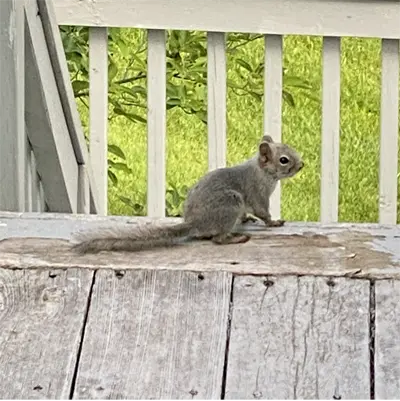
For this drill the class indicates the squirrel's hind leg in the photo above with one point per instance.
(231, 238)
(218, 218)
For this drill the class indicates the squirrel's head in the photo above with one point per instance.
(278, 159)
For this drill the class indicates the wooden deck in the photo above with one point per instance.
(303, 311)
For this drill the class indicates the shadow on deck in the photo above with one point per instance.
(303, 311)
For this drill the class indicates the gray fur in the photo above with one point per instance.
(214, 205)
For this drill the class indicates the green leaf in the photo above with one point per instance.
(131, 116)
(122, 167)
(183, 35)
(256, 96)
(139, 89)
(79, 86)
(112, 69)
(172, 90)
(288, 97)
(117, 151)
(296, 82)
(123, 47)
(311, 97)
(244, 64)
(233, 84)
(173, 102)
(112, 177)
(127, 201)
(200, 61)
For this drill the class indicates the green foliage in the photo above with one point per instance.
(186, 80)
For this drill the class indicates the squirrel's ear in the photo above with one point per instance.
(267, 138)
(265, 153)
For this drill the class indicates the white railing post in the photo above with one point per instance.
(273, 74)
(12, 111)
(156, 122)
(330, 130)
(216, 100)
(83, 190)
(98, 98)
(389, 132)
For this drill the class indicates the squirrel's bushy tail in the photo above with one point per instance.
(132, 239)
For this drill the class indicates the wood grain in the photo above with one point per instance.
(41, 318)
(44, 115)
(387, 341)
(388, 159)
(156, 122)
(12, 100)
(273, 81)
(216, 100)
(330, 140)
(63, 81)
(299, 338)
(98, 107)
(351, 250)
(372, 18)
(153, 335)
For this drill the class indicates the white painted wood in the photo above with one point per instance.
(98, 98)
(43, 207)
(83, 190)
(36, 185)
(273, 75)
(155, 335)
(371, 18)
(299, 338)
(12, 124)
(387, 340)
(60, 68)
(389, 132)
(156, 123)
(47, 129)
(28, 177)
(216, 100)
(330, 130)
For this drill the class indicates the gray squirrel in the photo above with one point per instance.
(215, 205)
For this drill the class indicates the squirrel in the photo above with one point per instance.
(215, 205)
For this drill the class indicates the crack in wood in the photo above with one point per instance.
(372, 317)
(79, 353)
(228, 337)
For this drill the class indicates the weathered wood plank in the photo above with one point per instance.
(372, 18)
(12, 121)
(153, 335)
(156, 123)
(41, 319)
(389, 132)
(358, 250)
(330, 148)
(47, 129)
(216, 100)
(273, 77)
(387, 341)
(299, 338)
(98, 108)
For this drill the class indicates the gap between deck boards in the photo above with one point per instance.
(175, 334)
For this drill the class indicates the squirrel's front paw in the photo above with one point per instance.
(248, 218)
(274, 223)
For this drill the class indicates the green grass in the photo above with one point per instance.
(359, 136)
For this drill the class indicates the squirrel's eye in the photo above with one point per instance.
(284, 160)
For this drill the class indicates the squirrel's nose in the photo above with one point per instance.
(301, 165)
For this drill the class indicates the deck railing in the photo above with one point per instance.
(274, 18)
